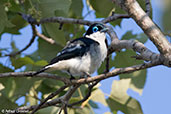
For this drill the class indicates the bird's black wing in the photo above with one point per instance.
(75, 48)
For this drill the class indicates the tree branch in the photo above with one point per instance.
(117, 45)
(60, 20)
(144, 53)
(117, 71)
(121, 16)
(63, 20)
(148, 26)
(27, 46)
(115, 17)
(66, 21)
(87, 95)
(113, 73)
(28, 74)
(49, 40)
(49, 97)
(63, 99)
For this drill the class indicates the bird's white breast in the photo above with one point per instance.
(98, 53)
(89, 62)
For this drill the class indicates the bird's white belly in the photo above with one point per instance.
(81, 67)
(88, 63)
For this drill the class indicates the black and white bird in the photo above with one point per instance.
(81, 56)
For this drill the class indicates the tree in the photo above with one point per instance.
(60, 21)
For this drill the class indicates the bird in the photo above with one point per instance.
(81, 56)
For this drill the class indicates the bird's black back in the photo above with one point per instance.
(75, 48)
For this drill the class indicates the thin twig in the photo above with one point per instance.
(87, 95)
(121, 16)
(60, 110)
(148, 7)
(42, 75)
(115, 17)
(49, 97)
(65, 110)
(107, 65)
(49, 40)
(60, 26)
(65, 20)
(27, 46)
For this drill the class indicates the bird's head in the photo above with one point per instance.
(97, 27)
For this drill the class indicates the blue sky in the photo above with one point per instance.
(155, 98)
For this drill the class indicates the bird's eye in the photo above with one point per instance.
(95, 29)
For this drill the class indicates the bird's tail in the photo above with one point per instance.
(40, 71)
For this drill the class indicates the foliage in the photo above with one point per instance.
(12, 89)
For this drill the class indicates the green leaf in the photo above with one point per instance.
(41, 63)
(6, 103)
(119, 100)
(123, 59)
(93, 104)
(103, 66)
(138, 78)
(15, 6)
(48, 110)
(76, 7)
(31, 100)
(18, 63)
(98, 96)
(60, 13)
(14, 48)
(143, 6)
(74, 99)
(4, 22)
(5, 69)
(129, 35)
(85, 110)
(98, 6)
(23, 85)
(1, 87)
(9, 85)
(47, 51)
(117, 10)
(75, 30)
(16, 87)
(48, 85)
(140, 37)
(166, 16)
(54, 32)
(52, 83)
(49, 7)
(81, 91)
(18, 23)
